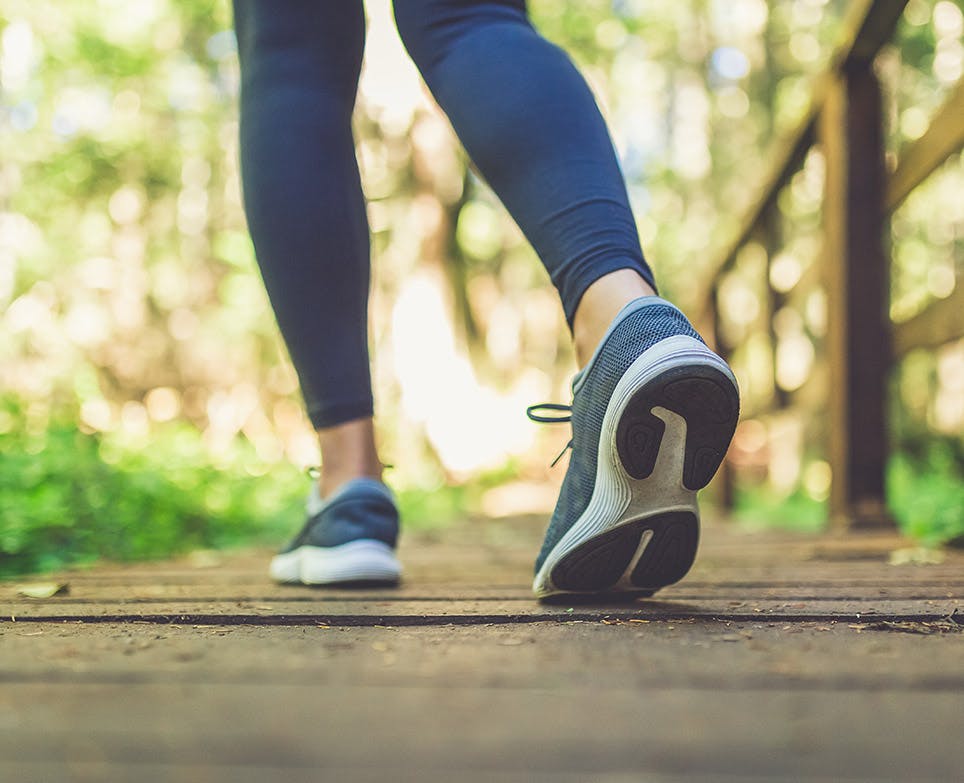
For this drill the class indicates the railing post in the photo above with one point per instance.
(724, 477)
(771, 237)
(856, 268)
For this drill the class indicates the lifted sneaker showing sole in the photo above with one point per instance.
(348, 538)
(653, 413)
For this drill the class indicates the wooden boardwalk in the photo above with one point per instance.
(778, 658)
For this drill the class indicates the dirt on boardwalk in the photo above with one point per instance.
(778, 658)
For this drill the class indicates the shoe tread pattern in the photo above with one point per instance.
(597, 565)
(670, 553)
(709, 403)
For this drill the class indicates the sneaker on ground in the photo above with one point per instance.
(348, 538)
(652, 415)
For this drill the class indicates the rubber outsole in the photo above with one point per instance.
(658, 547)
(600, 563)
(364, 561)
(708, 402)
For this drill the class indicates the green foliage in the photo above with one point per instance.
(67, 497)
(760, 506)
(926, 492)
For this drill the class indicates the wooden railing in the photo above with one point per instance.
(845, 119)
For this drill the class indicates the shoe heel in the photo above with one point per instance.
(709, 402)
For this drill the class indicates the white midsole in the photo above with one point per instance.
(356, 561)
(618, 498)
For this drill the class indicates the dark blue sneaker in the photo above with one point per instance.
(348, 537)
(652, 415)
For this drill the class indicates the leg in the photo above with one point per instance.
(300, 62)
(653, 409)
(530, 124)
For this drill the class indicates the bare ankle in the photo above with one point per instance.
(348, 452)
(600, 304)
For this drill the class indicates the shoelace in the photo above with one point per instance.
(552, 406)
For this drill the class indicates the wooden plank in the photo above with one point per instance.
(865, 587)
(943, 138)
(856, 575)
(856, 578)
(857, 281)
(486, 689)
(473, 612)
(722, 655)
(343, 731)
(228, 772)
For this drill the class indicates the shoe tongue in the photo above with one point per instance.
(316, 503)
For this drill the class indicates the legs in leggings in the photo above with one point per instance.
(530, 124)
(300, 61)
(523, 112)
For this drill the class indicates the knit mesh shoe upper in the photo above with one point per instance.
(361, 509)
(640, 325)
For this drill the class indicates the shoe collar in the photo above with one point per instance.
(628, 309)
(359, 486)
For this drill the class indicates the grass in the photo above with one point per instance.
(67, 498)
(70, 498)
(926, 493)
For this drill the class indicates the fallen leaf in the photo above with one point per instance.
(43, 589)
(916, 555)
(204, 558)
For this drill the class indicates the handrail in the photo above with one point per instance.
(936, 325)
(943, 137)
(866, 28)
(845, 118)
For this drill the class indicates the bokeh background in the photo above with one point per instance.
(147, 404)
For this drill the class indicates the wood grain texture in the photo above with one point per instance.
(756, 666)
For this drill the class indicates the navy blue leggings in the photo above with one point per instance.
(522, 110)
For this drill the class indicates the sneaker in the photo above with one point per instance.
(652, 415)
(348, 537)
